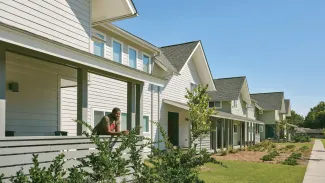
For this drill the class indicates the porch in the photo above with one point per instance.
(41, 93)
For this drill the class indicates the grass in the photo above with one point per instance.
(249, 172)
(297, 145)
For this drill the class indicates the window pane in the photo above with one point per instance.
(235, 128)
(101, 36)
(211, 104)
(132, 58)
(217, 104)
(98, 115)
(145, 63)
(117, 52)
(107, 113)
(99, 49)
(145, 124)
(123, 125)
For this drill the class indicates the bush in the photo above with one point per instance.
(274, 153)
(267, 158)
(303, 148)
(301, 138)
(290, 161)
(233, 151)
(291, 146)
(295, 155)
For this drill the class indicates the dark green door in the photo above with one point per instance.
(269, 131)
(173, 128)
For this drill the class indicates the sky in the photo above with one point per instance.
(279, 44)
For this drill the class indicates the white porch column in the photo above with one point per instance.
(3, 87)
(139, 107)
(240, 134)
(222, 133)
(131, 87)
(82, 99)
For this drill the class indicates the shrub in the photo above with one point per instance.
(291, 146)
(303, 148)
(301, 138)
(223, 152)
(267, 158)
(295, 155)
(290, 161)
(233, 151)
(274, 153)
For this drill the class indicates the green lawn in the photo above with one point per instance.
(298, 145)
(248, 172)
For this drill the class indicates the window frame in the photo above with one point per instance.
(96, 38)
(214, 104)
(121, 43)
(149, 130)
(136, 56)
(235, 103)
(193, 84)
(105, 111)
(149, 66)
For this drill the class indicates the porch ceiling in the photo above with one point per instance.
(29, 44)
(219, 115)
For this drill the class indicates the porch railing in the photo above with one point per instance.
(17, 152)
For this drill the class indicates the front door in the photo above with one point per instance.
(173, 128)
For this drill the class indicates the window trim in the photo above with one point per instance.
(149, 124)
(95, 38)
(195, 84)
(104, 110)
(121, 43)
(149, 67)
(235, 102)
(136, 56)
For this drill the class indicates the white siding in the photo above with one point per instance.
(68, 110)
(241, 109)
(67, 22)
(175, 90)
(34, 109)
(105, 94)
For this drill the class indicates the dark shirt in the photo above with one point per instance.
(105, 122)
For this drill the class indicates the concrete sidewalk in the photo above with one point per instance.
(315, 172)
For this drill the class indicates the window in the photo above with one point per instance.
(132, 58)
(216, 104)
(146, 63)
(235, 103)
(145, 124)
(193, 86)
(99, 114)
(235, 128)
(117, 52)
(99, 44)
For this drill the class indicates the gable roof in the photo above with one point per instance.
(227, 88)
(179, 54)
(269, 101)
(287, 104)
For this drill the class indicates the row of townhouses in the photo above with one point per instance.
(64, 59)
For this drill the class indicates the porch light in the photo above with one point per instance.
(14, 87)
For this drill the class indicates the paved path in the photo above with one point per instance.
(315, 172)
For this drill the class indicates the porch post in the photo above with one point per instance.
(247, 133)
(131, 106)
(228, 134)
(222, 133)
(2, 91)
(139, 107)
(240, 135)
(254, 130)
(82, 100)
(232, 133)
(216, 137)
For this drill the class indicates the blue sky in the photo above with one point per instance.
(279, 45)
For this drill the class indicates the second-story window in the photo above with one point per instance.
(99, 44)
(216, 104)
(117, 52)
(132, 58)
(146, 63)
(193, 86)
(235, 103)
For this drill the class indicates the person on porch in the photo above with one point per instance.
(110, 124)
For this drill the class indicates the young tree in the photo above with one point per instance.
(296, 119)
(199, 113)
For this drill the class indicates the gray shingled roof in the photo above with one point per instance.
(179, 54)
(164, 61)
(269, 101)
(227, 88)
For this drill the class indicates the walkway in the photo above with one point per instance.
(315, 172)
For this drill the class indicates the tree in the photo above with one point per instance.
(199, 112)
(296, 119)
(310, 121)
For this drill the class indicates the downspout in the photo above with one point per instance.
(158, 115)
(151, 112)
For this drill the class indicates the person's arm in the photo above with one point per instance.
(117, 128)
(107, 127)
